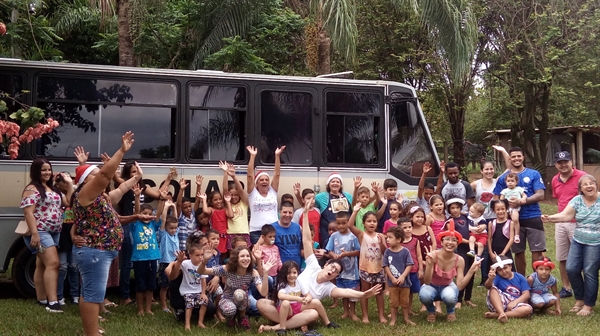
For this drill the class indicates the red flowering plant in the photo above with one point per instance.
(21, 126)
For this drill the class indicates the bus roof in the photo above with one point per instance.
(194, 73)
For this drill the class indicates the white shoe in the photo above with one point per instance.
(62, 302)
(76, 300)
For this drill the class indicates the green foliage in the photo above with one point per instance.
(238, 56)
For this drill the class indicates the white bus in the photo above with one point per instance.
(193, 119)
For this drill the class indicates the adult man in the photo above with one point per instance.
(455, 187)
(315, 281)
(564, 188)
(532, 228)
(288, 237)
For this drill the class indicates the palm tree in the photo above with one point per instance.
(451, 23)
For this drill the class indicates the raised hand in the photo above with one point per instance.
(202, 196)
(183, 183)
(173, 173)
(400, 199)
(146, 217)
(180, 256)
(140, 172)
(269, 264)
(499, 148)
(357, 207)
(127, 141)
(257, 253)
(230, 169)
(442, 166)
(104, 157)
(308, 205)
(492, 274)
(207, 253)
(168, 204)
(223, 165)
(81, 155)
(357, 182)
(163, 193)
(137, 191)
(279, 150)
(227, 197)
(382, 196)
(375, 187)
(252, 150)
(297, 188)
(67, 178)
(426, 167)
(199, 180)
(430, 256)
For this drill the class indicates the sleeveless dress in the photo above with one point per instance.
(425, 241)
(437, 226)
(485, 197)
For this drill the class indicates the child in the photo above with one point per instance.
(541, 282)
(412, 245)
(343, 245)
(514, 194)
(239, 273)
(331, 228)
(203, 220)
(436, 219)
(426, 190)
(477, 230)
(362, 197)
(219, 214)
(508, 292)
(423, 233)
(370, 262)
(270, 251)
(193, 285)
(394, 212)
(461, 224)
(145, 257)
(314, 243)
(215, 291)
(168, 244)
(397, 264)
(237, 226)
(314, 216)
(187, 216)
(390, 188)
(501, 231)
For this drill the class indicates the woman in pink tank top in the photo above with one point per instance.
(442, 267)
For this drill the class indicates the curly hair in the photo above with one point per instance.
(232, 263)
(281, 280)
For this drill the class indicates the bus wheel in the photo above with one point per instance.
(23, 268)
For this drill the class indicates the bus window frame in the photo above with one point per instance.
(27, 99)
(69, 74)
(383, 126)
(186, 143)
(296, 88)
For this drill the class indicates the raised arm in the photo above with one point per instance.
(197, 201)
(81, 155)
(566, 215)
(228, 209)
(426, 170)
(163, 218)
(505, 156)
(352, 221)
(250, 172)
(384, 201)
(357, 181)
(463, 279)
(176, 266)
(207, 253)
(440, 181)
(205, 208)
(98, 184)
(117, 194)
(277, 173)
(298, 194)
(306, 236)
(137, 192)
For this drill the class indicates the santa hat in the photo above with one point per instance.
(450, 232)
(546, 262)
(82, 172)
(259, 174)
(334, 175)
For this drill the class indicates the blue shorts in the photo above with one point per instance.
(415, 286)
(93, 266)
(163, 280)
(47, 239)
(348, 284)
(145, 275)
(542, 298)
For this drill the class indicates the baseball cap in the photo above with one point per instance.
(562, 156)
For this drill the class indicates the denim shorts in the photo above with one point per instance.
(47, 239)
(415, 284)
(145, 275)
(93, 266)
(541, 298)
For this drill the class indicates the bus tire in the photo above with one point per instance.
(23, 268)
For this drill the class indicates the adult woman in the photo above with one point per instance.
(585, 247)
(330, 202)
(442, 266)
(42, 208)
(97, 233)
(262, 196)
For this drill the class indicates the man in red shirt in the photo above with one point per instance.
(564, 188)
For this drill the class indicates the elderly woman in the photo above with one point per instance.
(41, 205)
(330, 202)
(97, 233)
(584, 254)
(262, 194)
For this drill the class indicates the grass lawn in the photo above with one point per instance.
(24, 317)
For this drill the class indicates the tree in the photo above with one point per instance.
(238, 56)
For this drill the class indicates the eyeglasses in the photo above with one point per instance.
(450, 240)
(335, 269)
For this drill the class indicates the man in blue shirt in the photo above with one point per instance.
(532, 227)
(288, 236)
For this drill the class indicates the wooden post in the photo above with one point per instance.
(580, 149)
(576, 163)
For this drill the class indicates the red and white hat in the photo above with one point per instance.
(82, 172)
(334, 175)
(259, 174)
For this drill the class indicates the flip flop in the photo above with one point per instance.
(110, 304)
(130, 303)
(576, 309)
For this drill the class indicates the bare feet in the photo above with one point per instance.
(354, 318)
(585, 311)
(451, 318)
(576, 309)
(140, 313)
(409, 323)
(220, 316)
(458, 305)
(304, 328)
(392, 323)
(344, 316)
(201, 325)
(491, 315)
(423, 308)
(365, 319)
(382, 319)
(334, 305)
(430, 318)
(187, 327)
(470, 303)
(149, 312)
(412, 313)
(261, 329)
(550, 312)
(503, 318)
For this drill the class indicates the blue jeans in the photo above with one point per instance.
(126, 264)
(67, 268)
(254, 296)
(93, 265)
(254, 236)
(447, 294)
(584, 258)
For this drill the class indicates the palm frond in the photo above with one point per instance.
(454, 25)
(71, 19)
(340, 24)
(231, 18)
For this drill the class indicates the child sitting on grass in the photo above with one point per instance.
(541, 282)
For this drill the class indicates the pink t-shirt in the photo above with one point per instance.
(565, 191)
(387, 225)
(268, 253)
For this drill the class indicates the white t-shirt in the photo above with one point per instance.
(293, 291)
(308, 280)
(263, 210)
(424, 205)
(191, 278)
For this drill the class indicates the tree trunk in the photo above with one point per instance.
(125, 43)
(324, 50)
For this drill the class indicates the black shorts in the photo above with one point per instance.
(145, 275)
(163, 280)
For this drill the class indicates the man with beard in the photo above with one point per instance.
(532, 227)
(564, 188)
(455, 187)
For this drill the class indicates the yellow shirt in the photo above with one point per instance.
(239, 223)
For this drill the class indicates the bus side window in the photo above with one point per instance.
(13, 86)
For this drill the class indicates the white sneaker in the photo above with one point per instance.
(76, 300)
(62, 302)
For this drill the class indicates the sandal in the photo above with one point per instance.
(430, 318)
(110, 304)
(101, 331)
(101, 319)
(576, 309)
(281, 332)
